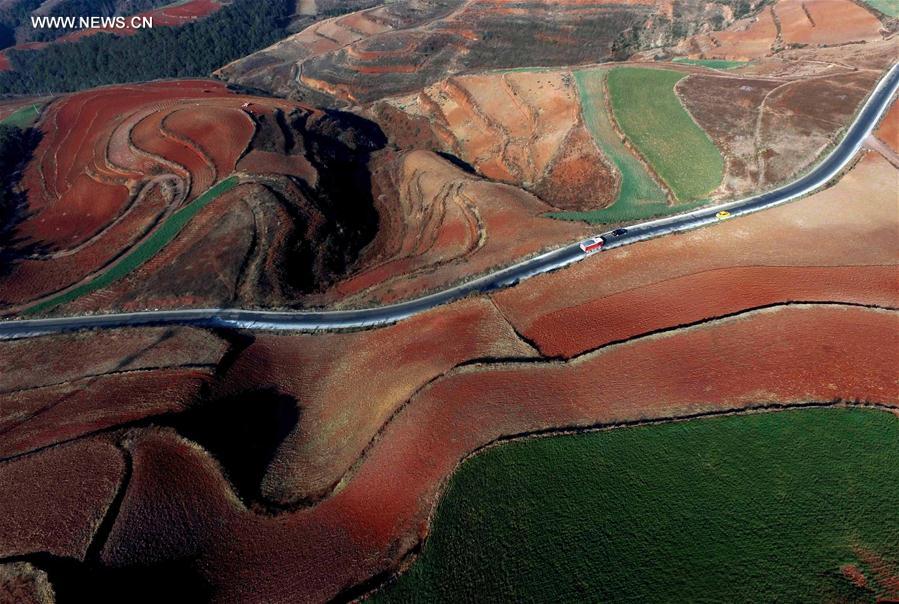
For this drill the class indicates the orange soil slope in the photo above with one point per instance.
(523, 128)
(785, 254)
(439, 225)
(382, 513)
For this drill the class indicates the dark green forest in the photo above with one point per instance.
(194, 49)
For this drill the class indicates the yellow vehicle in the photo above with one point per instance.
(722, 215)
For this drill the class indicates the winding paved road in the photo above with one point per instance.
(874, 108)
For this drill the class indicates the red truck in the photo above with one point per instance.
(592, 245)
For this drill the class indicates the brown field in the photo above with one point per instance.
(728, 108)
(37, 362)
(220, 243)
(53, 502)
(801, 119)
(718, 271)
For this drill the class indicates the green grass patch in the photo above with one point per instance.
(711, 63)
(887, 7)
(753, 508)
(24, 117)
(141, 252)
(651, 116)
(640, 196)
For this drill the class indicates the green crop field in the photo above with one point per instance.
(651, 116)
(763, 507)
(24, 117)
(141, 252)
(887, 7)
(711, 63)
(639, 197)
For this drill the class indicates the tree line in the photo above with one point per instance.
(191, 50)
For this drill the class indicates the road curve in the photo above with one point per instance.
(876, 105)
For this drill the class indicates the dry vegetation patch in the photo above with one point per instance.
(709, 272)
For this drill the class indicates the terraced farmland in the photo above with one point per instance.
(647, 109)
(648, 514)
(142, 252)
(104, 199)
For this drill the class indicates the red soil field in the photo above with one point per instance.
(31, 277)
(234, 128)
(54, 502)
(888, 131)
(439, 224)
(723, 269)
(825, 22)
(37, 362)
(177, 505)
(348, 384)
(41, 417)
(75, 129)
(121, 376)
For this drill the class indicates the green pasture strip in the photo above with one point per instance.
(618, 212)
(639, 193)
(23, 117)
(887, 7)
(651, 116)
(711, 63)
(142, 252)
(763, 507)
